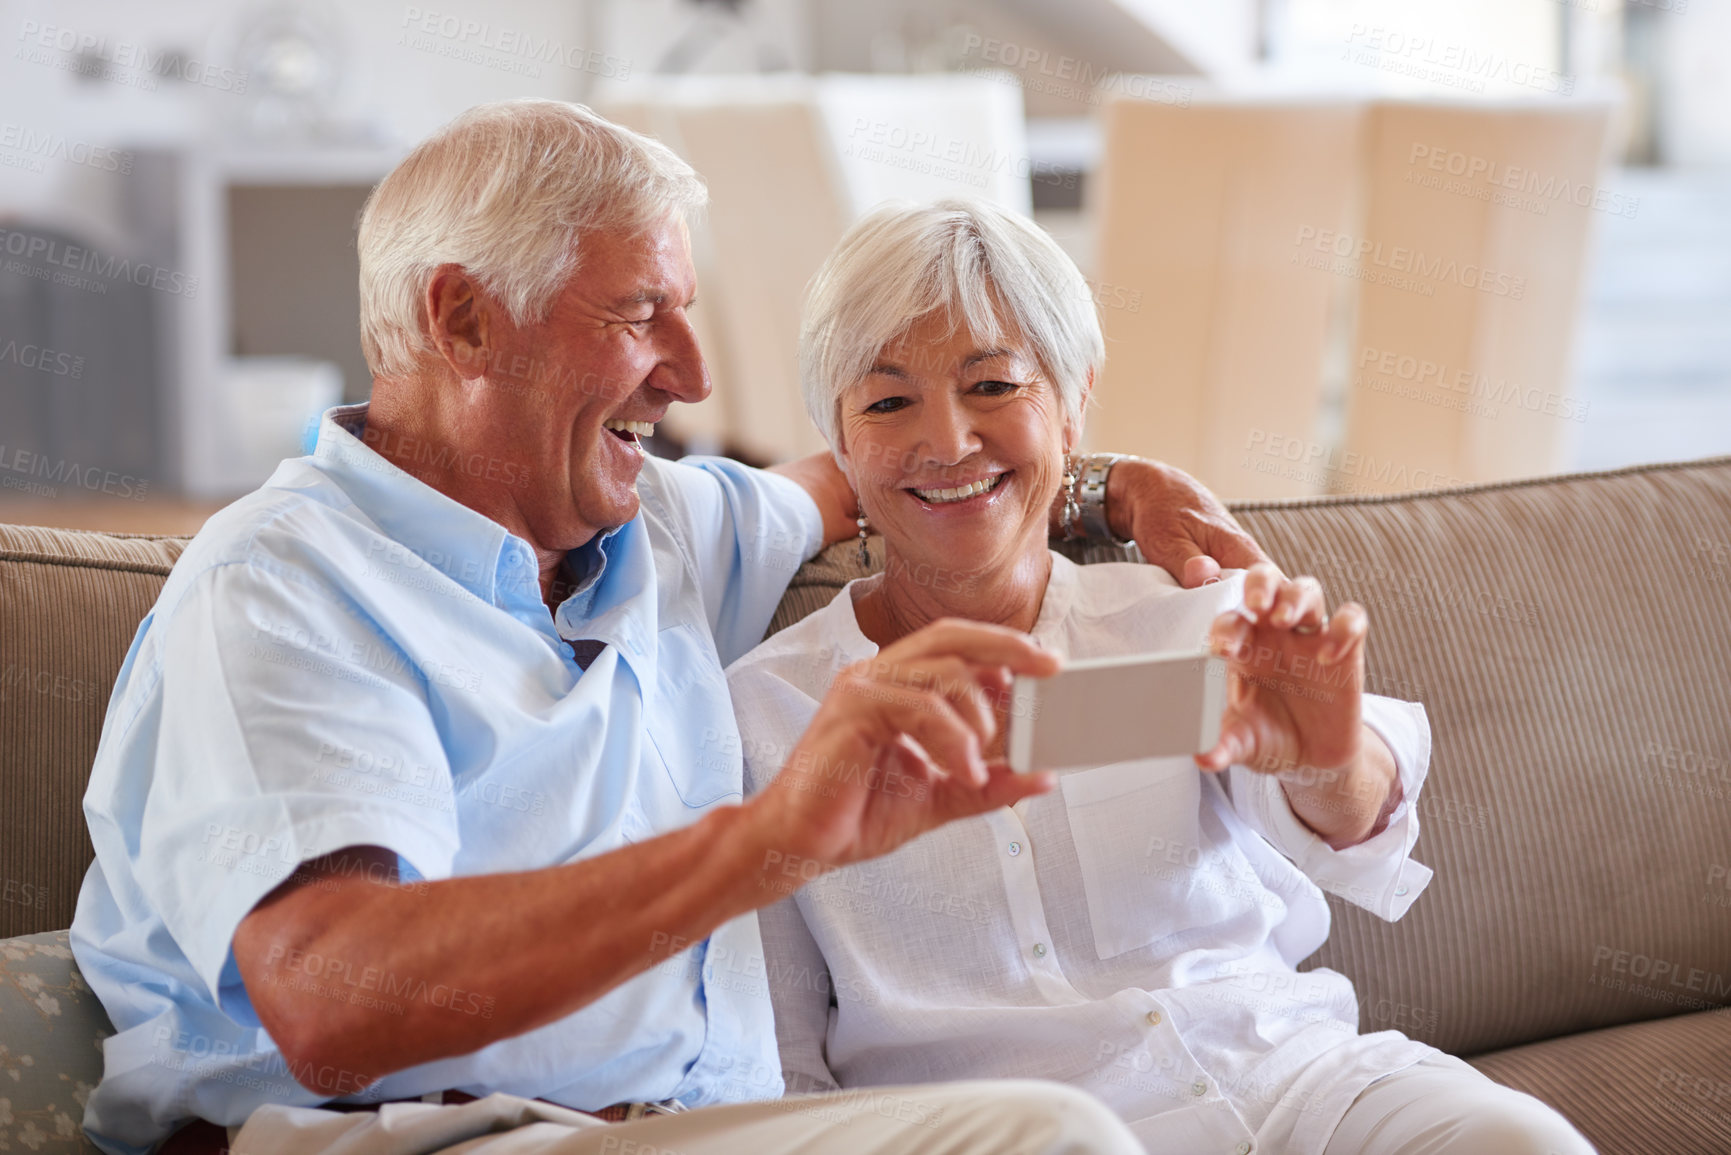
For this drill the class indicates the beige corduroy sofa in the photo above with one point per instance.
(1570, 638)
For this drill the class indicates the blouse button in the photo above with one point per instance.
(1015, 849)
(1153, 1018)
(1199, 1087)
(1039, 950)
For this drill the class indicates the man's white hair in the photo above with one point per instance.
(506, 190)
(984, 267)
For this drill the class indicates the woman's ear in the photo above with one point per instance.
(1073, 426)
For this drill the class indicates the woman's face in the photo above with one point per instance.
(956, 449)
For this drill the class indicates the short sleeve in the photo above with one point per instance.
(279, 714)
(1379, 873)
(747, 531)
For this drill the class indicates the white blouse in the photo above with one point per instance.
(1134, 933)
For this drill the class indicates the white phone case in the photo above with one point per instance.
(1104, 710)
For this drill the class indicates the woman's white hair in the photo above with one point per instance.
(983, 266)
(505, 190)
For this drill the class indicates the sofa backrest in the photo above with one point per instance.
(1570, 638)
(1571, 641)
(69, 605)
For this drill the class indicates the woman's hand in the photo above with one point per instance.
(1294, 695)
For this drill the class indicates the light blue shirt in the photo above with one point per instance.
(348, 657)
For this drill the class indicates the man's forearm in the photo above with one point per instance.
(828, 486)
(512, 952)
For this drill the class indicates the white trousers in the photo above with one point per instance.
(1444, 1106)
(1016, 1117)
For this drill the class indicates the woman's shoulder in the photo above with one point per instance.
(807, 654)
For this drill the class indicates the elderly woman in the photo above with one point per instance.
(1135, 932)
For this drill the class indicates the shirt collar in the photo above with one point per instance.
(470, 548)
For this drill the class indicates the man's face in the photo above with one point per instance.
(575, 391)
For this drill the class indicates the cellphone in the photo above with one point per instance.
(1098, 711)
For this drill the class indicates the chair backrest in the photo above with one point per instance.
(1470, 273)
(1215, 330)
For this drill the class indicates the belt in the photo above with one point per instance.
(201, 1137)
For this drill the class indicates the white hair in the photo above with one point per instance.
(505, 191)
(983, 266)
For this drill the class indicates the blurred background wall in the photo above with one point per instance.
(1337, 246)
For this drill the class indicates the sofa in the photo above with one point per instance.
(1570, 638)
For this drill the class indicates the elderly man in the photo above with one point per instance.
(419, 780)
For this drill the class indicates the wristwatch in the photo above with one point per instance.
(1085, 498)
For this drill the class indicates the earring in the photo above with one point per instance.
(865, 556)
(1072, 508)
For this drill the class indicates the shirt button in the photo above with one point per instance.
(1153, 1018)
(1199, 1087)
(1400, 891)
(1039, 950)
(1242, 1149)
(1015, 849)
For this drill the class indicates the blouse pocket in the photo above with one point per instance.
(1145, 871)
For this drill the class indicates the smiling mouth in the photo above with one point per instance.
(629, 431)
(959, 493)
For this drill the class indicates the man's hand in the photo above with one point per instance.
(1293, 705)
(1176, 523)
(899, 744)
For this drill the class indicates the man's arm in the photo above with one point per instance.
(1177, 524)
(512, 952)
(823, 479)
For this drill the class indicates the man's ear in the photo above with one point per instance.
(1073, 428)
(460, 321)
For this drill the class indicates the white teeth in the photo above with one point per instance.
(641, 428)
(940, 496)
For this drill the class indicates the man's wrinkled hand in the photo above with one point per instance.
(1176, 522)
(898, 745)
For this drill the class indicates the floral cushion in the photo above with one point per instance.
(51, 1032)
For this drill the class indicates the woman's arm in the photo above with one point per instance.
(801, 991)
